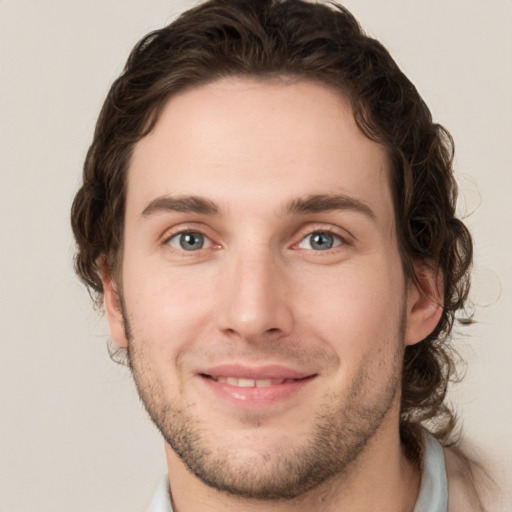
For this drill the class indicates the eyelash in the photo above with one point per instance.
(183, 232)
(340, 240)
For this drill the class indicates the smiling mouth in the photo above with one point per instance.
(255, 388)
(253, 383)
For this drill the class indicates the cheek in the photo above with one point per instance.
(357, 307)
(362, 326)
(167, 306)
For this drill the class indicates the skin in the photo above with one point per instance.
(260, 292)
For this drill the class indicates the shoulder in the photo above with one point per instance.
(471, 487)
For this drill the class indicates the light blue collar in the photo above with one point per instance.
(433, 495)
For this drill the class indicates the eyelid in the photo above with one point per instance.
(340, 240)
(208, 241)
(305, 231)
(184, 228)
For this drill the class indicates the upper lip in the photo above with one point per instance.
(240, 371)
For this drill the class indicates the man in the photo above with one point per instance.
(267, 214)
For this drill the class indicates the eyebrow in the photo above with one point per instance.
(185, 204)
(318, 203)
(315, 203)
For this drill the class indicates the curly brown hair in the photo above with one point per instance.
(268, 39)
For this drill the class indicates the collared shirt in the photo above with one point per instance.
(162, 498)
(433, 496)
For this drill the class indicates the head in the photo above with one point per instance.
(289, 44)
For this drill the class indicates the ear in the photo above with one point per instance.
(424, 302)
(113, 310)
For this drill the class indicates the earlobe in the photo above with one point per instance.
(114, 311)
(424, 302)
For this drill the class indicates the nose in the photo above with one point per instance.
(256, 301)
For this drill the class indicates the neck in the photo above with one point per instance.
(381, 478)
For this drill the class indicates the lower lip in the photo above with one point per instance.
(256, 397)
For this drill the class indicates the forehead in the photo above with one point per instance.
(257, 141)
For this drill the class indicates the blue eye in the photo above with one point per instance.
(320, 241)
(189, 241)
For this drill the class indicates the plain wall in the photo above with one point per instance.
(73, 435)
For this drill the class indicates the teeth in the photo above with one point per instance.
(241, 383)
(263, 383)
(250, 383)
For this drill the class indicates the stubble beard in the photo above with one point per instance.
(341, 430)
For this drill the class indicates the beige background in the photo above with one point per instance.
(73, 436)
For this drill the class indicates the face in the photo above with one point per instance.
(263, 300)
